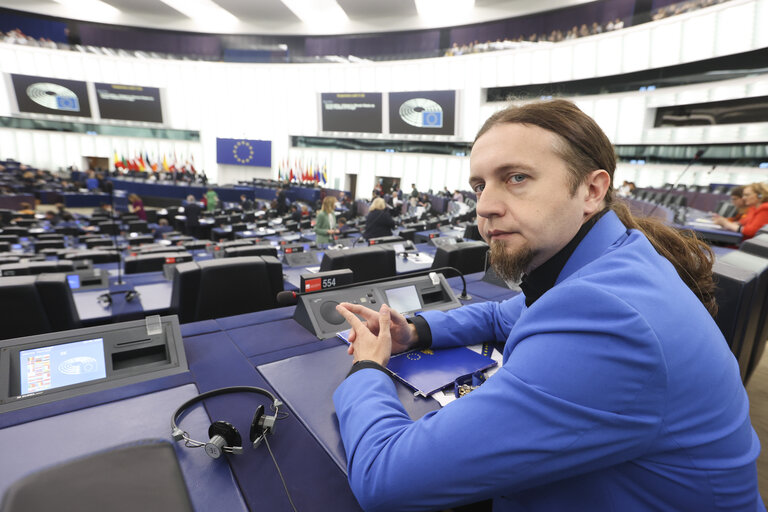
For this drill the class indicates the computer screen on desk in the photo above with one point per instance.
(56, 366)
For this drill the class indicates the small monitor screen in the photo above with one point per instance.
(403, 299)
(45, 368)
(74, 281)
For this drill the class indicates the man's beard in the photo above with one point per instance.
(510, 264)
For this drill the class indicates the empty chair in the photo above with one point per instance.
(735, 294)
(471, 232)
(99, 242)
(153, 262)
(109, 228)
(759, 266)
(138, 226)
(26, 268)
(379, 240)
(366, 263)
(467, 257)
(240, 226)
(15, 230)
(50, 236)
(36, 305)
(141, 239)
(5, 246)
(250, 250)
(154, 249)
(95, 256)
(225, 287)
(407, 233)
(9, 237)
(48, 244)
(757, 245)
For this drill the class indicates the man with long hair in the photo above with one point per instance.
(617, 389)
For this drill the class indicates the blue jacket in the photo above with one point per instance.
(617, 392)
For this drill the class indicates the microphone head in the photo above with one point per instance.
(699, 153)
(287, 298)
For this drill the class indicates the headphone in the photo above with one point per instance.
(105, 299)
(224, 437)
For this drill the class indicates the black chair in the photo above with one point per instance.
(467, 257)
(50, 236)
(140, 240)
(48, 244)
(735, 293)
(381, 240)
(10, 238)
(759, 308)
(366, 263)
(138, 226)
(5, 246)
(36, 305)
(225, 287)
(109, 228)
(15, 230)
(154, 262)
(471, 232)
(757, 245)
(27, 268)
(99, 242)
(250, 250)
(95, 256)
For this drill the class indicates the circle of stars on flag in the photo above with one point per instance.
(243, 151)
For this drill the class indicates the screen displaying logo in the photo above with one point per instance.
(44, 95)
(53, 96)
(422, 112)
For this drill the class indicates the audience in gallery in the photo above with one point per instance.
(756, 200)
(378, 222)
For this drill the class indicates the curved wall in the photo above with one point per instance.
(273, 102)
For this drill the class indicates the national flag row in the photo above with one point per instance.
(302, 171)
(144, 163)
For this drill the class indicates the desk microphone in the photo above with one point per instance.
(663, 199)
(291, 298)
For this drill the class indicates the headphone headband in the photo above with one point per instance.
(178, 434)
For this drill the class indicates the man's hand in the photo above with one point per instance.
(402, 335)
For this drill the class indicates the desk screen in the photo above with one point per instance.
(74, 281)
(45, 368)
(403, 299)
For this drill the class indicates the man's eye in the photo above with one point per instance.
(517, 178)
(478, 188)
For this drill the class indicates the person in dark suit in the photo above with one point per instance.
(378, 222)
(192, 211)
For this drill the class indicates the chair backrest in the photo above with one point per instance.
(5, 246)
(391, 239)
(95, 255)
(467, 257)
(757, 245)
(758, 265)
(154, 262)
(471, 232)
(225, 287)
(138, 226)
(48, 244)
(735, 292)
(36, 304)
(99, 242)
(366, 263)
(28, 268)
(250, 250)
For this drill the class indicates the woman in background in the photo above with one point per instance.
(378, 222)
(325, 223)
(755, 198)
(137, 206)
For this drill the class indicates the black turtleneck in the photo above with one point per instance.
(538, 282)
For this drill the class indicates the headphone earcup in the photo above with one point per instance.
(227, 431)
(257, 425)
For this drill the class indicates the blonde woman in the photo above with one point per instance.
(325, 223)
(378, 222)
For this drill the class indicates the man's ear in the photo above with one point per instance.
(597, 184)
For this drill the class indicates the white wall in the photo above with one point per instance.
(274, 102)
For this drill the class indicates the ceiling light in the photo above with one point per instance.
(89, 7)
(437, 10)
(324, 13)
(203, 11)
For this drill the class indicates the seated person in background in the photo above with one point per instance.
(295, 213)
(162, 228)
(245, 203)
(26, 209)
(617, 390)
(325, 224)
(756, 200)
(136, 206)
(378, 222)
(52, 218)
(458, 196)
(737, 200)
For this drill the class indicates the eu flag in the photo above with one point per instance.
(257, 153)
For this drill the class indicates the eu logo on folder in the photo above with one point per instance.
(428, 371)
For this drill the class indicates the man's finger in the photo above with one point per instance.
(384, 320)
(349, 317)
(357, 309)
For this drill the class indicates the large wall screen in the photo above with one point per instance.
(41, 95)
(351, 112)
(129, 102)
(422, 112)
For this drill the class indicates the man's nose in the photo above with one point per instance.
(490, 203)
